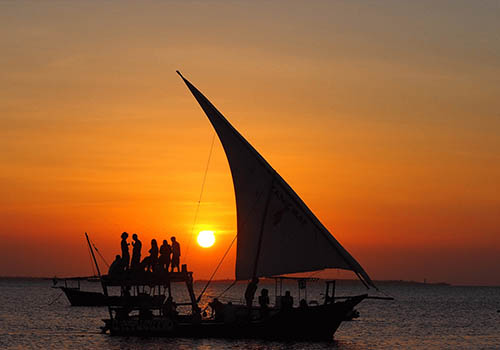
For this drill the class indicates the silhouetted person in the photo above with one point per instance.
(250, 292)
(176, 254)
(286, 301)
(170, 308)
(303, 304)
(165, 251)
(136, 253)
(264, 302)
(217, 309)
(229, 313)
(125, 252)
(152, 260)
(116, 267)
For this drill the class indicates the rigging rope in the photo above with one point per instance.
(227, 251)
(53, 301)
(91, 262)
(100, 254)
(387, 294)
(201, 194)
(234, 239)
(228, 288)
(216, 269)
(221, 294)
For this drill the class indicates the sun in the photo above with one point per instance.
(206, 239)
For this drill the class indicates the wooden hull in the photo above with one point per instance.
(313, 323)
(78, 297)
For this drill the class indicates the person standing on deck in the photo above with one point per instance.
(125, 252)
(165, 251)
(136, 253)
(153, 256)
(250, 292)
(176, 254)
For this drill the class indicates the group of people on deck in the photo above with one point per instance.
(159, 259)
(226, 312)
(286, 300)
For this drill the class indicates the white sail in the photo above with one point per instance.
(277, 233)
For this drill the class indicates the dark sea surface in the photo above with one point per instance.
(35, 316)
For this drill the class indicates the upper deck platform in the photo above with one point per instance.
(145, 278)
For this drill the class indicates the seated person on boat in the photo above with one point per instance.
(229, 313)
(150, 263)
(217, 309)
(287, 301)
(117, 267)
(264, 303)
(170, 308)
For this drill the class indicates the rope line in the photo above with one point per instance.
(201, 195)
(100, 254)
(216, 269)
(91, 262)
(223, 292)
(227, 251)
(234, 239)
(53, 301)
(228, 288)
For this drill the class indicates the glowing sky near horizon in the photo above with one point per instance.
(383, 116)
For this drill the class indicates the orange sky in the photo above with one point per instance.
(384, 118)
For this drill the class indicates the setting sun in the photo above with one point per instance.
(206, 239)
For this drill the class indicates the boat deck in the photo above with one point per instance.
(143, 278)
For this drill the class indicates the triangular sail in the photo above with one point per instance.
(277, 233)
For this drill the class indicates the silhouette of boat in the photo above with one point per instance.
(277, 235)
(75, 295)
(78, 297)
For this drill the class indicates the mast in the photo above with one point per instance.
(104, 288)
(93, 255)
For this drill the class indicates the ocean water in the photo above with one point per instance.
(35, 316)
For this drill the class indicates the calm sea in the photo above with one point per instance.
(34, 316)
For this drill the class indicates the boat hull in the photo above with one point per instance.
(78, 297)
(313, 323)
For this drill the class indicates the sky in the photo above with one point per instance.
(383, 116)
